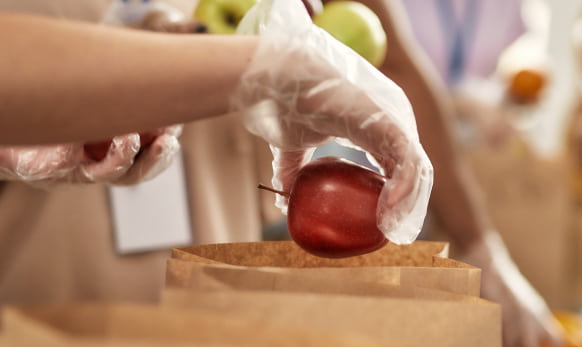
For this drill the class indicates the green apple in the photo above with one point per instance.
(222, 16)
(356, 26)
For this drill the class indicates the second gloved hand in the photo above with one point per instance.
(47, 166)
(303, 88)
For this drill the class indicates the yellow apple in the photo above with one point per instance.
(356, 26)
(222, 16)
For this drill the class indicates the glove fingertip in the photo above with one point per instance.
(124, 150)
(164, 146)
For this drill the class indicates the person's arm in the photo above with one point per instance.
(455, 197)
(69, 81)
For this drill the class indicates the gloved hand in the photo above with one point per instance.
(155, 158)
(527, 321)
(47, 166)
(303, 88)
(494, 123)
(481, 102)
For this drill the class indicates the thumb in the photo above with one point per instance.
(151, 161)
(118, 160)
(403, 202)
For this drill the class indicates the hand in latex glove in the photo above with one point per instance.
(153, 159)
(527, 321)
(494, 123)
(44, 166)
(303, 88)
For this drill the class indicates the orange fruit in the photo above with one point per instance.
(571, 327)
(525, 86)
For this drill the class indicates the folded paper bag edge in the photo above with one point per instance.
(289, 254)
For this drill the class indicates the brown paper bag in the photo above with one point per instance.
(528, 200)
(22, 329)
(282, 265)
(405, 316)
(133, 325)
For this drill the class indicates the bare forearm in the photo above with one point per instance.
(65, 81)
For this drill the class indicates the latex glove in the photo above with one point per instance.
(303, 88)
(154, 159)
(495, 124)
(527, 321)
(46, 166)
(481, 102)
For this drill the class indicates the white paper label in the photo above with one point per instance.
(152, 215)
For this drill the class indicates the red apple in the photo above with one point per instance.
(146, 139)
(97, 150)
(332, 208)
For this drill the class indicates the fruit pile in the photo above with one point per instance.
(350, 22)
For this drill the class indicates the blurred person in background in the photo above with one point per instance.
(465, 41)
(433, 47)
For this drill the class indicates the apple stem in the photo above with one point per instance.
(261, 186)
